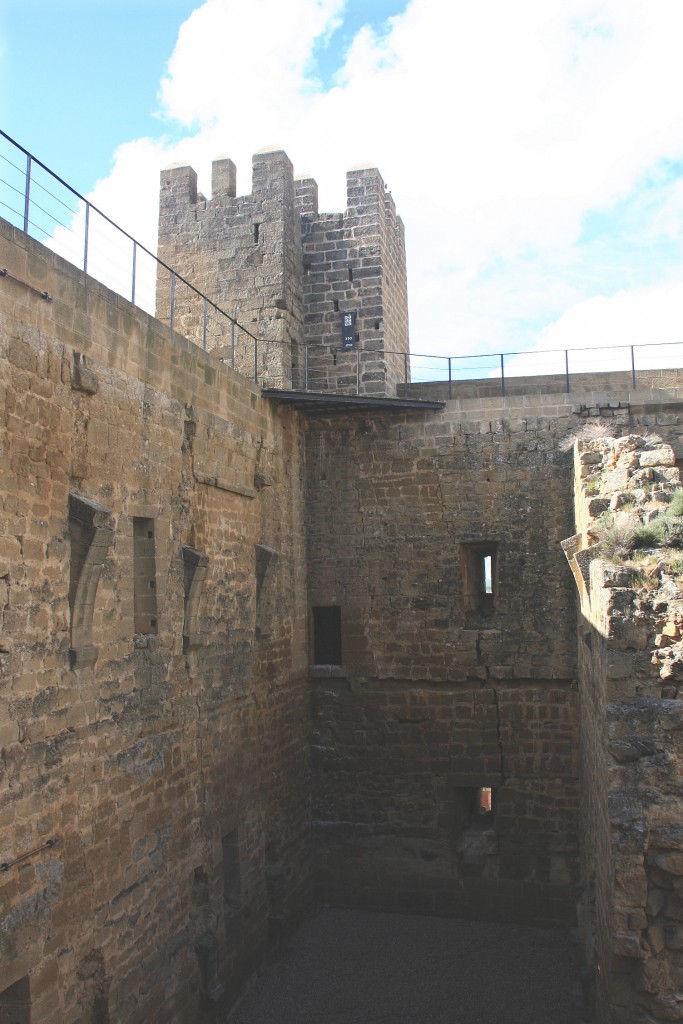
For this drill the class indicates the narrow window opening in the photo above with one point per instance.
(15, 1003)
(232, 881)
(479, 576)
(357, 339)
(336, 305)
(350, 273)
(144, 577)
(474, 807)
(376, 325)
(327, 646)
(256, 232)
(488, 578)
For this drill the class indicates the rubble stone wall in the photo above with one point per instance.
(154, 782)
(630, 657)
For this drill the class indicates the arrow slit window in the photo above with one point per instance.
(480, 577)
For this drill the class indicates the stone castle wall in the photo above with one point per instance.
(355, 261)
(436, 698)
(631, 730)
(287, 274)
(433, 700)
(242, 252)
(153, 691)
(253, 654)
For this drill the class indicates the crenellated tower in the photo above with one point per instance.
(244, 253)
(324, 294)
(354, 262)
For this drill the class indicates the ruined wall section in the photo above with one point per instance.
(154, 775)
(444, 691)
(355, 262)
(630, 664)
(244, 253)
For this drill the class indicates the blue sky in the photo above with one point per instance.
(534, 150)
(80, 77)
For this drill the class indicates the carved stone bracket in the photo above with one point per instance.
(195, 564)
(91, 531)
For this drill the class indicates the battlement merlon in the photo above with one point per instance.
(178, 186)
(364, 187)
(369, 200)
(223, 178)
(272, 175)
(306, 196)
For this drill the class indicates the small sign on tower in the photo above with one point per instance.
(348, 326)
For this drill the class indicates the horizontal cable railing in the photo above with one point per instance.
(39, 202)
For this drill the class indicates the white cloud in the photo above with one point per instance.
(646, 318)
(497, 126)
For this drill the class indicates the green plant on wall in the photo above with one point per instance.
(619, 534)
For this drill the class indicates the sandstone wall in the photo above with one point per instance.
(355, 262)
(154, 779)
(244, 253)
(436, 700)
(608, 384)
(631, 729)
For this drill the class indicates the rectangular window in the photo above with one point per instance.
(327, 647)
(144, 577)
(15, 1003)
(479, 574)
(232, 876)
(474, 806)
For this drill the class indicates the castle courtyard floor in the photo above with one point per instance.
(349, 967)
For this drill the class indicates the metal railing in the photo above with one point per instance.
(651, 364)
(43, 205)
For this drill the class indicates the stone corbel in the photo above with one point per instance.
(91, 531)
(266, 558)
(195, 564)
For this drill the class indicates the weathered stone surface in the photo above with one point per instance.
(141, 765)
(192, 820)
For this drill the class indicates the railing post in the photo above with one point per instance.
(566, 368)
(232, 344)
(172, 298)
(502, 375)
(405, 374)
(255, 361)
(633, 369)
(305, 367)
(27, 193)
(135, 256)
(204, 326)
(450, 380)
(357, 371)
(85, 239)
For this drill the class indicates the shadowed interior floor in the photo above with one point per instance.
(349, 967)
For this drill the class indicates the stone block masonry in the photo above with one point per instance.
(244, 253)
(444, 752)
(255, 653)
(288, 274)
(355, 262)
(154, 789)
